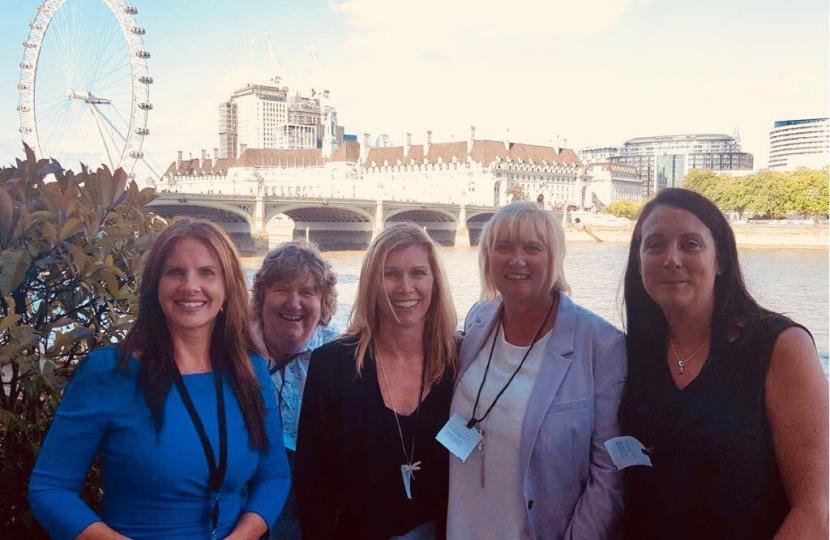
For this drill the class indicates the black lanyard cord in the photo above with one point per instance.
(216, 474)
(280, 367)
(473, 420)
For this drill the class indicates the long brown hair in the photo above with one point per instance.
(645, 324)
(440, 343)
(230, 341)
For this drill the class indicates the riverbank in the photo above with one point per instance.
(784, 235)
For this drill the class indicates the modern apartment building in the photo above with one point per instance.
(799, 143)
(664, 160)
(271, 117)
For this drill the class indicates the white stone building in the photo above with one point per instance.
(607, 182)
(475, 171)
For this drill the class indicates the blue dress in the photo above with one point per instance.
(155, 484)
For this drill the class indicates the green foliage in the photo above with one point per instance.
(70, 249)
(767, 194)
(624, 208)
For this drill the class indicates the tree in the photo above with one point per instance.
(769, 194)
(625, 208)
(70, 250)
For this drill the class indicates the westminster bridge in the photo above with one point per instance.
(255, 222)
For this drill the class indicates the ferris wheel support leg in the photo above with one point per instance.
(94, 113)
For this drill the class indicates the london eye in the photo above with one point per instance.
(84, 86)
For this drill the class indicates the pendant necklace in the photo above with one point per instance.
(471, 424)
(410, 466)
(683, 362)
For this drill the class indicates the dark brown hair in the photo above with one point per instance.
(230, 341)
(646, 326)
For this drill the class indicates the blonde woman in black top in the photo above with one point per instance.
(368, 465)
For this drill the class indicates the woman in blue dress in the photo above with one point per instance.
(181, 414)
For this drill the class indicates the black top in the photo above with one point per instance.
(715, 474)
(348, 463)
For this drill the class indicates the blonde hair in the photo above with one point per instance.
(440, 342)
(521, 221)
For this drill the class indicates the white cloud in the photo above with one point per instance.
(441, 28)
(444, 65)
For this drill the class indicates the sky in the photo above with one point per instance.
(578, 74)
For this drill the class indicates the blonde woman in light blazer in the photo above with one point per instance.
(540, 378)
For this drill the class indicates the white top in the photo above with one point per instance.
(497, 510)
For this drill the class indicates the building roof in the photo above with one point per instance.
(445, 152)
(485, 151)
(259, 157)
(348, 151)
(383, 155)
(687, 137)
(191, 166)
(543, 154)
(416, 152)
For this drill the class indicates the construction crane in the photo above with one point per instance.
(272, 59)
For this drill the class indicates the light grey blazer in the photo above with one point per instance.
(571, 488)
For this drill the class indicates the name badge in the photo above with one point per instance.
(627, 451)
(458, 438)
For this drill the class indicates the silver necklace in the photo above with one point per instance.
(683, 362)
(407, 469)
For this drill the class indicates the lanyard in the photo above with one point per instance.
(216, 474)
(473, 420)
(279, 367)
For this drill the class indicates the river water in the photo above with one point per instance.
(790, 281)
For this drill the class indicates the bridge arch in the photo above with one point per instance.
(210, 210)
(440, 224)
(475, 223)
(421, 215)
(327, 225)
(237, 221)
(339, 213)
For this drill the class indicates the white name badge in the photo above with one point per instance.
(627, 451)
(458, 438)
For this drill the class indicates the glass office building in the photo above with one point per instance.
(664, 160)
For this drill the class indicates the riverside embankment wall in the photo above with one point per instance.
(784, 235)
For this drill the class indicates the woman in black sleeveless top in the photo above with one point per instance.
(728, 398)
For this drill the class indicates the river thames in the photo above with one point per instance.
(790, 281)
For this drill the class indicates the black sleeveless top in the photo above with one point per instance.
(715, 475)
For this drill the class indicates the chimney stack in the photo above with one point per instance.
(507, 139)
(203, 159)
(215, 154)
(364, 148)
(408, 145)
(429, 143)
(472, 140)
(179, 160)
